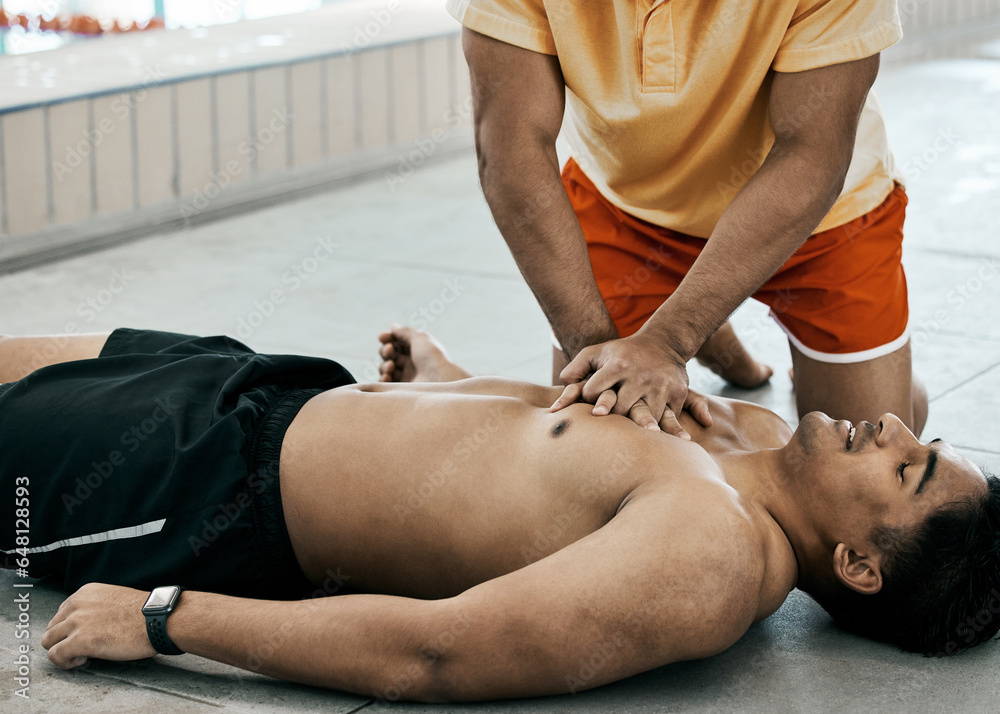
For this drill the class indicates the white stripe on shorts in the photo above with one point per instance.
(849, 357)
(116, 534)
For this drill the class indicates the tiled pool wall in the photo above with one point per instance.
(925, 14)
(187, 149)
(930, 26)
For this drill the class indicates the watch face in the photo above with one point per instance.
(160, 598)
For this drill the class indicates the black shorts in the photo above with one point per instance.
(157, 464)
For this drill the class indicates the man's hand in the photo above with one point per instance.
(98, 620)
(636, 377)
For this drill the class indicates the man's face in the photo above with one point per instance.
(880, 475)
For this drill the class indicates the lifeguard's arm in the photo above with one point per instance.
(815, 117)
(624, 599)
(518, 101)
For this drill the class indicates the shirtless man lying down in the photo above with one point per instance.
(488, 547)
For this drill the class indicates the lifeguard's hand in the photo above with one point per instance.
(636, 377)
(98, 620)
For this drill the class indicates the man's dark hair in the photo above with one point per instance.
(940, 582)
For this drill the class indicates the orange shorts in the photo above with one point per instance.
(841, 297)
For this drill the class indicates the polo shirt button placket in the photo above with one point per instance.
(656, 46)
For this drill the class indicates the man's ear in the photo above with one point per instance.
(861, 573)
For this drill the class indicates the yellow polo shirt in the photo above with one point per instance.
(667, 100)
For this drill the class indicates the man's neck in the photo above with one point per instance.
(764, 480)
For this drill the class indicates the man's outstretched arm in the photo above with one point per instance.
(549, 628)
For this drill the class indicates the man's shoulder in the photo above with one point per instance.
(703, 522)
(702, 561)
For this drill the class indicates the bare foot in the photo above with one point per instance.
(410, 355)
(724, 354)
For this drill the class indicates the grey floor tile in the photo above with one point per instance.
(987, 460)
(967, 416)
(437, 219)
(951, 294)
(944, 361)
(941, 118)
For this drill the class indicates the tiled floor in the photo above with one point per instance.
(389, 256)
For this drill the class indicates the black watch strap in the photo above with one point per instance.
(156, 628)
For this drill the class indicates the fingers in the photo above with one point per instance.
(61, 645)
(55, 633)
(629, 396)
(697, 405)
(64, 655)
(601, 381)
(669, 424)
(641, 415)
(605, 402)
(579, 368)
(570, 395)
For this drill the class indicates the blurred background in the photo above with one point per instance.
(72, 20)
(121, 118)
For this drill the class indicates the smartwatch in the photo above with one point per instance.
(160, 603)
